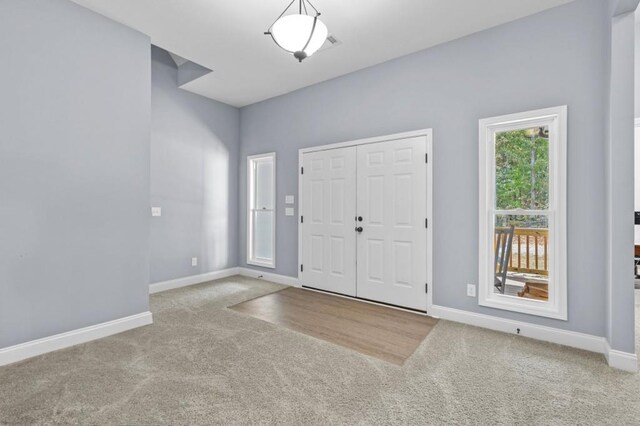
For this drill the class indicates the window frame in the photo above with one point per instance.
(556, 119)
(252, 161)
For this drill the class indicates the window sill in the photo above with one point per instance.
(524, 306)
(261, 264)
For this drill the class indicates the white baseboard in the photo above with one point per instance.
(210, 276)
(268, 276)
(621, 360)
(573, 339)
(56, 342)
(616, 359)
(192, 280)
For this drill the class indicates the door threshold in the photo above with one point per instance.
(372, 302)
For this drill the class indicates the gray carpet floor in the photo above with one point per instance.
(201, 363)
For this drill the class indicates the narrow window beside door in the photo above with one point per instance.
(523, 212)
(261, 220)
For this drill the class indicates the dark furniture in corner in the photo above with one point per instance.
(503, 243)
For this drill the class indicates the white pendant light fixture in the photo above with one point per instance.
(299, 33)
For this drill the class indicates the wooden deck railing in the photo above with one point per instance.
(529, 251)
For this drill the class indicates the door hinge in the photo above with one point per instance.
(301, 170)
(426, 158)
(426, 288)
(301, 268)
(301, 219)
(426, 223)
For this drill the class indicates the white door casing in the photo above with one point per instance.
(329, 208)
(392, 200)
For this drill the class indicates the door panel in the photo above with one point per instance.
(392, 199)
(328, 230)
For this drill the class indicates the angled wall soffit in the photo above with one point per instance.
(188, 70)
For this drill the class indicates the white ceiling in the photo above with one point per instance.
(227, 36)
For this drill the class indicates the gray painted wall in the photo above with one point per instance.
(558, 57)
(74, 169)
(194, 160)
(619, 166)
(637, 71)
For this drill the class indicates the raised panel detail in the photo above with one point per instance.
(337, 202)
(375, 258)
(337, 163)
(317, 201)
(317, 164)
(328, 207)
(375, 159)
(402, 200)
(337, 255)
(402, 254)
(392, 197)
(317, 253)
(375, 193)
(403, 156)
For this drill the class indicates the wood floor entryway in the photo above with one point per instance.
(379, 331)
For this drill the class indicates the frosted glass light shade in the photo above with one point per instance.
(292, 33)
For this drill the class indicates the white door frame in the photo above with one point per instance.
(423, 132)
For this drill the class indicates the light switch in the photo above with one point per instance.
(289, 199)
(156, 211)
(288, 211)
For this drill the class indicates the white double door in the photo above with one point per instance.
(364, 221)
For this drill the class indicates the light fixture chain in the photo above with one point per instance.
(314, 8)
(313, 28)
(283, 12)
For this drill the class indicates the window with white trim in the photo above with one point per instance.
(523, 249)
(261, 219)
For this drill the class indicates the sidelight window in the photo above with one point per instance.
(523, 212)
(261, 223)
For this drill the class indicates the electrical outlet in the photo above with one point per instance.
(194, 261)
(471, 290)
(156, 211)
